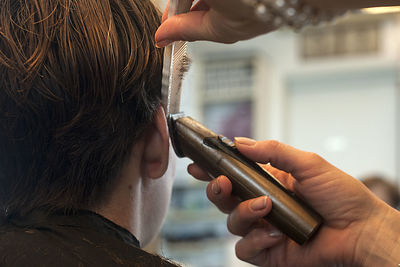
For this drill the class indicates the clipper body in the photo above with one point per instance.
(218, 155)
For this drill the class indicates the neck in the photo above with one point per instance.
(123, 204)
(139, 203)
(123, 207)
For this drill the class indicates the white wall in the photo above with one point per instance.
(349, 119)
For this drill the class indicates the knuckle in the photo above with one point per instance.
(209, 193)
(238, 220)
(273, 144)
(243, 210)
(314, 157)
(224, 210)
(240, 254)
(258, 237)
(219, 203)
(230, 225)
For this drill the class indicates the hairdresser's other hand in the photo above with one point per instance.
(225, 21)
(359, 229)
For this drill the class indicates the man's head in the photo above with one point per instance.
(79, 83)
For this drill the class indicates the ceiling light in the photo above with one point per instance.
(381, 10)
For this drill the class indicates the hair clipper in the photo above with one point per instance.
(218, 156)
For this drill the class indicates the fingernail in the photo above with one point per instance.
(245, 141)
(259, 204)
(163, 43)
(275, 233)
(215, 188)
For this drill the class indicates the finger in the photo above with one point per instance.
(189, 27)
(200, 5)
(165, 14)
(198, 173)
(285, 178)
(219, 192)
(283, 157)
(248, 213)
(253, 247)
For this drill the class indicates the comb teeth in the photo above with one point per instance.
(185, 65)
(182, 60)
(166, 77)
(180, 65)
(176, 63)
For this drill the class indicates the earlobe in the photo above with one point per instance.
(156, 147)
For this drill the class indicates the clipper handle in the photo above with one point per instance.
(217, 155)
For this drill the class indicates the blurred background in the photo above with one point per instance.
(333, 90)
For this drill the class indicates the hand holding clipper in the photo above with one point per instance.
(218, 156)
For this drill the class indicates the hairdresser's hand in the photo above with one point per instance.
(225, 21)
(358, 229)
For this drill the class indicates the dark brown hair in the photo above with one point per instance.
(79, 82)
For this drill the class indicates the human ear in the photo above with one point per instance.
(156, 147)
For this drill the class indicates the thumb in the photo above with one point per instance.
(188, 27)
(299, 163)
